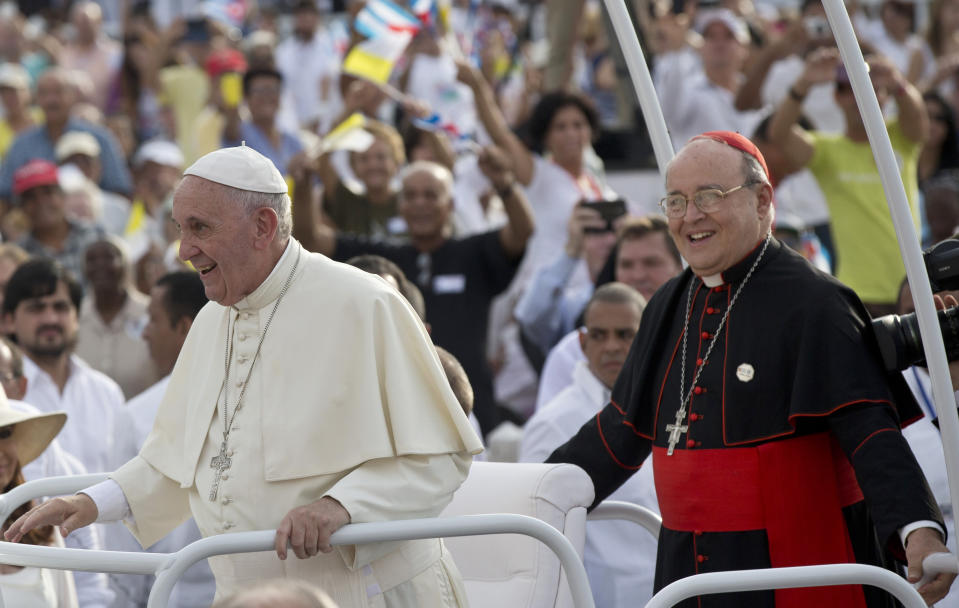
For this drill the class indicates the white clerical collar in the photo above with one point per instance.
(270, 288)
(713, 280)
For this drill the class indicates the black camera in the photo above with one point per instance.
(899, 341)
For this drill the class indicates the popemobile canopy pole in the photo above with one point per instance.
(943, 395)
(642, 82)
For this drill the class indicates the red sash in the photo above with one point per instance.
(793, 489)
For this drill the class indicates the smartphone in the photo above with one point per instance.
(609, 211)
(817, 27)
(231, 89)
(196, 30)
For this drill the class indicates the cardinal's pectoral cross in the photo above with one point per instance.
(219, 463)
(675, 430)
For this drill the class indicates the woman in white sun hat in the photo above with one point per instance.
(23, 437)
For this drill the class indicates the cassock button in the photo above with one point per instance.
(699, 361)
(690, 444)
(225, 476)
(697, 532)
(699, 390)
(241, 359)
(701, 558)
(718, 289)
(242, 337)
(710, 310)
(693, 417)
(705, 335)
(229, 524)
(226, 500)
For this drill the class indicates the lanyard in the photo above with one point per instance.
(926, 402)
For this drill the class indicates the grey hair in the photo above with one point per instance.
(441, 173)
(753, 171)
(280, 202)
(616, 293)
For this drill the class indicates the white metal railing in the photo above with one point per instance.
(617, 509)
(784, 578)
(168, 567)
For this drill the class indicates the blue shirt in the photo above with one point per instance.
(35, 143)
(290, 145)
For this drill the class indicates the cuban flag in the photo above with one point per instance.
(424, 10)
(380, 17)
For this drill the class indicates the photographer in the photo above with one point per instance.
(868, 257)
(923, 435)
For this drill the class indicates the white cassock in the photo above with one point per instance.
(347, 399)
(620, 556)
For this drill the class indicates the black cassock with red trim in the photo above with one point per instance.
(792, 394)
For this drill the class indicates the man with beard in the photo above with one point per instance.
(40, 307)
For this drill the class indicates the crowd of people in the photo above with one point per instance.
(474, 181)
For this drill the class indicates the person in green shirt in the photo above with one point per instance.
(867, 253)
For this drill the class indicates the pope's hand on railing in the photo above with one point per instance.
(308, 528)
(68, 512)
(919, 544)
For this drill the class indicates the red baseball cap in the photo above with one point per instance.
(37, 172)
(225, 60)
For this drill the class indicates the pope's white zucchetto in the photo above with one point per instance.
(241, 167)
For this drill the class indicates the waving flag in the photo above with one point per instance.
(348, 135)
(388, 29)
(379, 17)
(424, 10)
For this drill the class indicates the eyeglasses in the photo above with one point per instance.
(707, 201)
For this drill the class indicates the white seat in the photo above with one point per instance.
(511, 570)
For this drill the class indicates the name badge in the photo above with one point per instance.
(396, 225)
(449, 283)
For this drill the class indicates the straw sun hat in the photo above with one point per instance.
(32, 432)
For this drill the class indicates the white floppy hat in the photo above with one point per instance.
(32, 431)
(733, 22)
(76, 142)
(14, 76)
(161, 152)
(241, 167)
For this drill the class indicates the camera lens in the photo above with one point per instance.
(901, 345)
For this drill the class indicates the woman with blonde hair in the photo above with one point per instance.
(23, 437)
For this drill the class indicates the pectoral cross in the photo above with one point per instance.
(675, 430)
(219, 463)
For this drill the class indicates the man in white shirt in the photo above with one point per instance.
(620, 557)
(348, 418)
(645, 258)
(40, 308)
(175, 300)
(309, 62)
(697, 90)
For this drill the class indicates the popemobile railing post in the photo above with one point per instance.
(933, 346)
(642, 82)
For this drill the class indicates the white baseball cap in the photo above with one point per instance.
(76, 142)
(160, 152)
(14, 76)
(733, 22)
(241, 167)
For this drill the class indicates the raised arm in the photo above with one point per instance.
(313, 234)
(749, 95)
(913, 118)
(520, 158)
(784, 131)
(495, 165)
